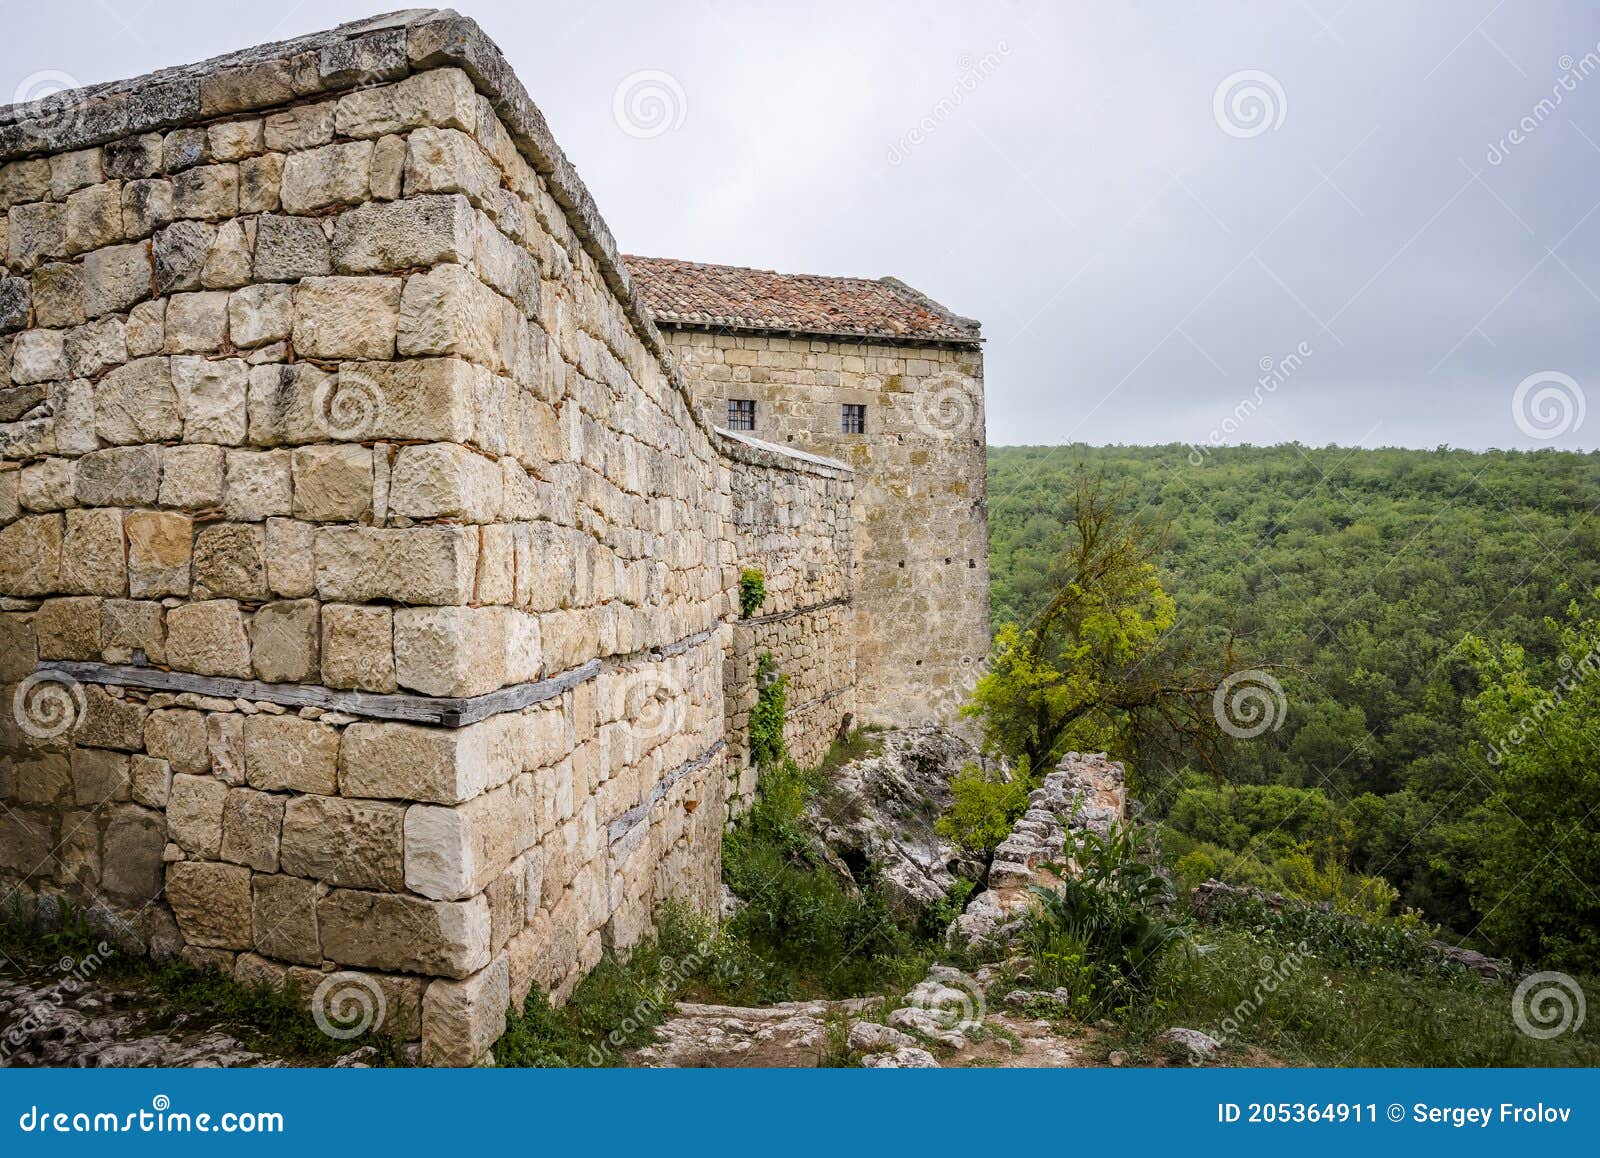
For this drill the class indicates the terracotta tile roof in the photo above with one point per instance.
(689, 293)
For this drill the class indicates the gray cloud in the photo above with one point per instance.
(1060, 173)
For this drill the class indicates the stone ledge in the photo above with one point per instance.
(749, 449)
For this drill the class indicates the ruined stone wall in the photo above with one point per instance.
(921, 527)
(791, 520)
(361, 559)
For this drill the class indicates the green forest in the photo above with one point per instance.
(1430, 618)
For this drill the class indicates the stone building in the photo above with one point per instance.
(881, 377)
(369, 570)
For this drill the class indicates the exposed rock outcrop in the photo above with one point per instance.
(1086, 791)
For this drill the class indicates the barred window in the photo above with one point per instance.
(741, 414)
(854, 419)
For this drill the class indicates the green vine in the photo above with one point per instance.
(752, 591)
(767, 748)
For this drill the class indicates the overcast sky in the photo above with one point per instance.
(1143, 203)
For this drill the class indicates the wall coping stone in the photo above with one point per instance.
(756, 452)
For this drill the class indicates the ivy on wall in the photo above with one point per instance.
(767, 748)
(752, 591)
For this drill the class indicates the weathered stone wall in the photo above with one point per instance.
(354, 518)
(791, 520)
(921, 526)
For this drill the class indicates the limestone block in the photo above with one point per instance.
(259, 315)
(355, 843)
(288, 754)
(290, 248)
(283, 642)
(291, 562)
(212, 903)
(95, 347)
(24, 181)
(94, 217)
(229, 261)
(394, 761)
(207, 192)
(194, 813)
(454, 852)
(180, 253)
(178, 736)
(346, 317)
(332, 483)
(136, 403)
(508, 904)
(388, 168)
(404, 934)
(426, 565)
(211, 394)
(38, 356)
(259, 180)
(116, 278)
(451, 651)
(449, 311)
(284, 918)
(299, 128)
(358, 647)
(48, 485)
(225, 744)
(36, 232)
(230, 561)
(296, 403)
(152, 782)
(444, 481)
(397, 235)
(93, 558)
(197, 323)
(438, 98)
(235, 140)
(56, 291)
(69, 628)
(125, 476)
(331, 175)
(208, 638)
(191, 477)
(30, 556)
(461, 1020)
(449, 161)
(134, 840)
(146, 329)
(147, 206)
(129, 626)
(424, 399)
(110, 721)
(158, 553)
(258, 484)
(133, 157)
(251, 826)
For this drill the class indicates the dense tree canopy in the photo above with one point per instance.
(1380, 588)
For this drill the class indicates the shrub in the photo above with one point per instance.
(982, 809)
(767, 747)
(752, 591)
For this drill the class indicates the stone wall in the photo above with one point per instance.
(361, 555)
(921, 525)
(791, 520)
